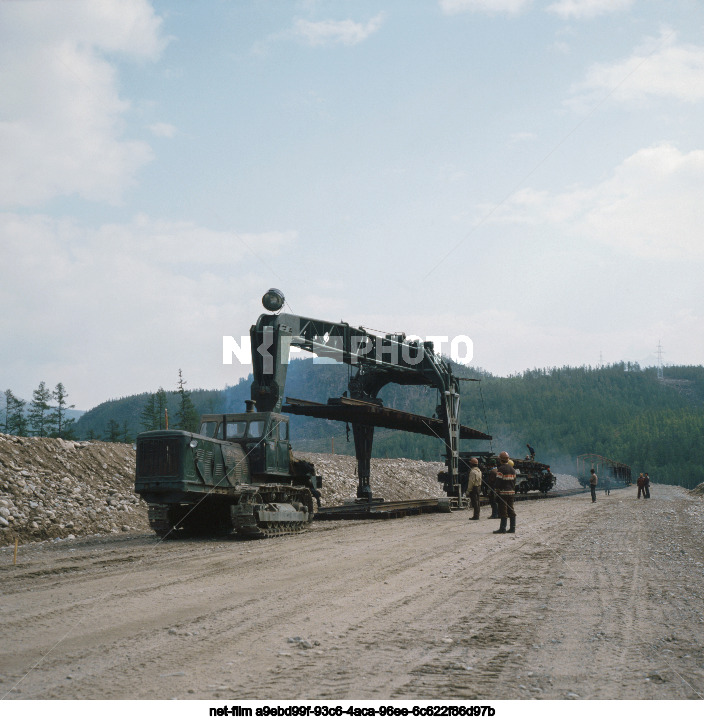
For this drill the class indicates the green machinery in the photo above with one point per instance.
(238, 474)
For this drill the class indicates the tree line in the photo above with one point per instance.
(43, 419)
(154, 415)
(619, 411)
(40, 417)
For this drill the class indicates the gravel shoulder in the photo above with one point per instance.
(591, 601)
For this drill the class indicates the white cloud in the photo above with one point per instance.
(580, 9)
(659, 68)
(511, 7)
(336, 32)
(147, 298)
(163, 130)
(651, 206)
(61, 129)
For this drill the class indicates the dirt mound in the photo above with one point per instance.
(394, 479)
(698, 490)
(51, 488)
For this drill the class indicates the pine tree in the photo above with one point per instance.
(153, 417)
(39, 411)
(126, 437)
(15, 419)
(9, 405)
(63, 425)
(160, 407)
(112, 433)
(186, 416)
(148, 417)
(18, 419)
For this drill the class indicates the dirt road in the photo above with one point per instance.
(586, 600)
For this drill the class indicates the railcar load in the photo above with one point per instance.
(608, 471)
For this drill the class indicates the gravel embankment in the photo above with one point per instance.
(51, 488)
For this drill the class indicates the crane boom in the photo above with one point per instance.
(378, 359)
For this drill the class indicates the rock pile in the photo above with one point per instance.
(51, 488)
(394, 479)
(565, 482)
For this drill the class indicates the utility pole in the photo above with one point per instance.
(660, 351)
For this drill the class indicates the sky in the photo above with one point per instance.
(528, 173)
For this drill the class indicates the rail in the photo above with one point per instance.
(397, 509)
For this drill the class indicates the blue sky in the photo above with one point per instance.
(526, 173)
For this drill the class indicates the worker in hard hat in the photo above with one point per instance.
(504, 481)
(489, 482)
(474, 486)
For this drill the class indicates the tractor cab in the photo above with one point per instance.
(263, 436)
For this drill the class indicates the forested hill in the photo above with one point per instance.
(624, 414)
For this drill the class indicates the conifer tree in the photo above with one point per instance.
(15, 419)
(149, 416)
(153, 417)
(9, 405)
(186, 416)
(18, 419)
(63, 426)
(39, 411)
(112, 433)
(160, 401)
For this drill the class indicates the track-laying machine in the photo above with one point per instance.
(238, 473)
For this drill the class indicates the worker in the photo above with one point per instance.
(593, 480)
(646, 486)
(531, 452)
(490, 482)
(607, 486)
(641, 483)
(474, 486)
(504, 479)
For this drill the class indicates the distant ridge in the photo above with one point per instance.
(561, 412)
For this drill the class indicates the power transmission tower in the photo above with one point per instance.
(660, 352)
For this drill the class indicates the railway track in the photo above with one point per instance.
(397, 509)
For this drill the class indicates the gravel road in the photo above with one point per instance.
(591, 601)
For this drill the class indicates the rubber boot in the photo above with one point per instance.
(512, 525)
(502, 527)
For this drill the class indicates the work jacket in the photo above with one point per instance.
(504, 479)
(475, 478)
